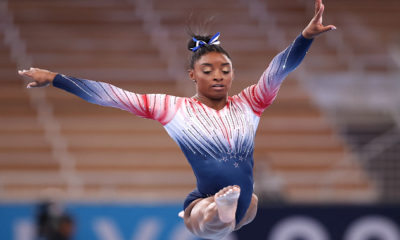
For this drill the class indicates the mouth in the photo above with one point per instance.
(218, 86)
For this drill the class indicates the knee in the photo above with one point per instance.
(211, 220)
(254, 200)
(210, 212)
(253, 206)
(211, 227)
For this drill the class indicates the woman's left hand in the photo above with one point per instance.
(315, 28)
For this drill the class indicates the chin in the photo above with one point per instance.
(218, 96)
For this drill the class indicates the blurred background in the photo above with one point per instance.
(327, 155)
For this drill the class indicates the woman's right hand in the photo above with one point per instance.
(41, 77)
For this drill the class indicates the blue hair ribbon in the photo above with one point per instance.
(213, 41)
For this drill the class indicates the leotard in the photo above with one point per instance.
(218, 145)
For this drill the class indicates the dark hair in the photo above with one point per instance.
(203, 49)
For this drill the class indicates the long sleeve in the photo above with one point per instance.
(259, 96)
(159, 107)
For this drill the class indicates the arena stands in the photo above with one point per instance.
(52, 139)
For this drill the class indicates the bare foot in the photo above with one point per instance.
(226, 200)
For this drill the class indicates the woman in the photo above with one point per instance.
(215, 132)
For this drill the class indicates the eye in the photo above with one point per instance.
(206, 72)
(226, 70)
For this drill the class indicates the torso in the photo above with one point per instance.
(219, 145)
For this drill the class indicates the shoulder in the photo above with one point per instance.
(247, 101)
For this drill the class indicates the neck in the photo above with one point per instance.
(216, 104)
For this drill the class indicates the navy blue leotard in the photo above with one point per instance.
(218, 145)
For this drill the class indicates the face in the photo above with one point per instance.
(213, 74)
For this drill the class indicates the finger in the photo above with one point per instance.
(328, 28)
(22, 72)
(319, 14)
(32, 85)
(332, 27)
(25, 73)
(317, 6)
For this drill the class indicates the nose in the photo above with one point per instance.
(218, 76)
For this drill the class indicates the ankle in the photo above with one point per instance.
(211, 212)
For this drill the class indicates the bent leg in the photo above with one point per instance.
(250, 214)
(205, 222)
(203, 216)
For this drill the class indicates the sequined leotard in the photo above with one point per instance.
(219, 145)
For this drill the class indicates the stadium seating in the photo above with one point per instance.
(114, 155)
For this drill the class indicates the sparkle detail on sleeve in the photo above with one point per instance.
(259, 96)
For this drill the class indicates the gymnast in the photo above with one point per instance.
(215, 132)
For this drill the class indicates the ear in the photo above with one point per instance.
(233, 74)
(191, 73)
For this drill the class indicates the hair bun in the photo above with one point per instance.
(192, 43)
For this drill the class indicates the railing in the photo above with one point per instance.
(357, 67)
(168, 50)
(38, 100)
(160, 37)
(267, 22)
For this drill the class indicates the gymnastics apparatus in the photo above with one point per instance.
(215, 132)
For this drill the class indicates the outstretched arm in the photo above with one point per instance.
(158, 107)
(262, 94)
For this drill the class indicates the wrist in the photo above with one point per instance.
(50, 76)
(307, 35)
